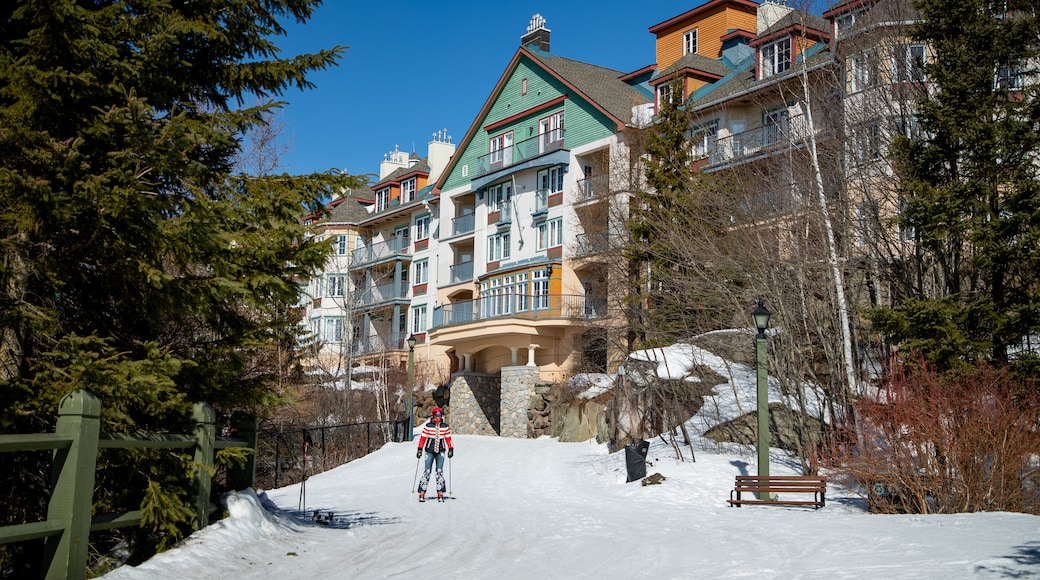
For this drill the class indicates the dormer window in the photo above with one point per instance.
(690, 42)
(383, 199)
(408, 190)
(776, 57)
(665, 94)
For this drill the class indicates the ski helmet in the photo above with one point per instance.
(437, 412)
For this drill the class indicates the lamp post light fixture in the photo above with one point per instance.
(411, 385)
(761, 316)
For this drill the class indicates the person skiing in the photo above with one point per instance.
(436, 440)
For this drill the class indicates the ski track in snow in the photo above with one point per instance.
(540, 508)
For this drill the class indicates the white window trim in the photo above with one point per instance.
(772, 57)
(422, 232)
(382, 199)
(688, 46)
(408, 188)
(419, 319)
(421, 274)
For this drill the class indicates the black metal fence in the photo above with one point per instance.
(287, 457)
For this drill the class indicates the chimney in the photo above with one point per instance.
(393, 161)
(440, 151)
(537, 34)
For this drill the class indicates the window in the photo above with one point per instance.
(408, 190)
(551, 180)
(867, 222)
(665, 93)
(689, 42)
(497, 296)
(333, 330)
(418, 319)
(550, 132)
(844, 22)
(703, 138)
(1009, 77)
(422, 272)
(776, 57)
(550, 234)
(775, 126)
(336, 285)
(540, 288)
(383, 199)
(498, 247)
(908, 63)
(498, 197)
(862, 71)
(523, 87)
(867, 141)
(422, 227)
(341, 245)
(502, 149)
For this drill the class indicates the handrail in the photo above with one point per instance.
(66, 530)
(520, 306)
(519, 152)
(380, 251)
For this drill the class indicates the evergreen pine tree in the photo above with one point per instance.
(133, 261)
(970, 186)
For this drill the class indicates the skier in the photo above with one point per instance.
(436, 440)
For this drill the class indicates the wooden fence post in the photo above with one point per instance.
(72, 482)
(244, 426)
(205, 442)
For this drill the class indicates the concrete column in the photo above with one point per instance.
(530, 355)
(466, 357)
(514, 350)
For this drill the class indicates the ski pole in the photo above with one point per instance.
(416, 476)
(449, 475)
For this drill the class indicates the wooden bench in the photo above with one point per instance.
(776, 484)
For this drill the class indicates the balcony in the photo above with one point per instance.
(591, 244)
(591, 187)
(463, 225)
(516, 306)
(461, 272)
(520, 152)
(380, 294)
(377, 344)
(758, 142)
(393, 249)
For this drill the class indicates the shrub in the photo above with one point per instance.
(952, 442)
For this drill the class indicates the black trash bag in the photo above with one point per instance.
(635, 459)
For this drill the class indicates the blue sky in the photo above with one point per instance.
(415, 67)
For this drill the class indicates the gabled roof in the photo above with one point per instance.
(420, 166)
(601, 87)
(694, 62)
(744, 81)
(796, 20)
(745, 5)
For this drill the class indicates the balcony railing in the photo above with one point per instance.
(591, 244)
(397, 247)
(541, 200)
(519, 152)
(462, 225)
(382, 293)
(378, 343)
(596, 186)
(518, 306)
(461, 272)
(759, 141)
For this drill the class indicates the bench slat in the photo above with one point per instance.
(814, 484)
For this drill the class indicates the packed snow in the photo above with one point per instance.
(520, 508)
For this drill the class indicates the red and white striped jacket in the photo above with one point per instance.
(435, 437)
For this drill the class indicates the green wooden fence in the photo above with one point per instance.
(75, 443)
